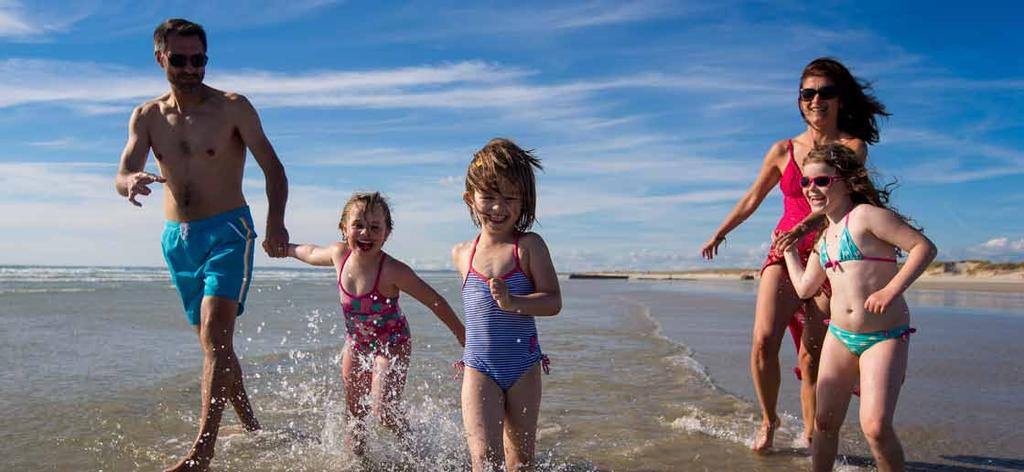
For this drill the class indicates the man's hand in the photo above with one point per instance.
(138, 184)
(276, 241)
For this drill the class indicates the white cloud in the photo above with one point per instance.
(1001, 247)
(31, 22)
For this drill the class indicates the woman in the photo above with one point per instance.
(837, 108)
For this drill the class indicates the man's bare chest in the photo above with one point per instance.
(179, 137)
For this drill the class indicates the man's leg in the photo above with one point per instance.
(221, 381)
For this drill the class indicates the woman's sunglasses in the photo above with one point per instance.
(827, 92)
(820, 181)
(179, 60)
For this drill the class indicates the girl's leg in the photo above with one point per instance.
(815, 314)
(522, 406)
(837, 374)
(776, 303)
(882, 370)
(390, 372)
(483, 413)
(357, 377)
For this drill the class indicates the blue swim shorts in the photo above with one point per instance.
(210, 258)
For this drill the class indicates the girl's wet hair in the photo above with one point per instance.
(369, 200)
(502, 160)
(856, 176)
(857, 106)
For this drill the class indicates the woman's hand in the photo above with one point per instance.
(786, 240)
(710, 249)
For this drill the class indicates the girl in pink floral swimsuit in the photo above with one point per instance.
(378, 342)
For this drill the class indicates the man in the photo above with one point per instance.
(199, 136)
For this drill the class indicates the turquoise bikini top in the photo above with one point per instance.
(848, 250)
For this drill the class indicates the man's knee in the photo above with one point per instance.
(216, 328)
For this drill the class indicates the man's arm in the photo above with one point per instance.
(275, 241)
(131, 180)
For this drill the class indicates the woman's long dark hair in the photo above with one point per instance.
(857, 106)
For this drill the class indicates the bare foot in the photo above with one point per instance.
(765, 436)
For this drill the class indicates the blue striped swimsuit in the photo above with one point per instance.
(502, 345)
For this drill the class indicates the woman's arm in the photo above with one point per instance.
(546, 299)
(766, 179)
(407, 281)
(315, 255)
(890, 228)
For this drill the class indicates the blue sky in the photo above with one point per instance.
(651, 117)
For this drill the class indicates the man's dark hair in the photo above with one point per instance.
(180, 27)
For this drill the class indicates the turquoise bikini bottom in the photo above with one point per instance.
(857, 343)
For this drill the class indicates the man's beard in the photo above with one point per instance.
(187, 82)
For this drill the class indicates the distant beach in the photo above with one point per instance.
(971, 275)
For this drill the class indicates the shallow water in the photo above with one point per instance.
(101, 373)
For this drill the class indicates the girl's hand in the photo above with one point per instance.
(783, 241)
(879, 301)
(710, 249)
(499, 292)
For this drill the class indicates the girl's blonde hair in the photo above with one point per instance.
(369, 200)
(502, 160)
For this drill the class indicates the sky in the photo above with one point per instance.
(651, 117)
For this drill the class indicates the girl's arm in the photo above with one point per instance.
(315, 255)
(807, 280)
(546, 299)
(408, 282)
(890, 228)
(766, 179)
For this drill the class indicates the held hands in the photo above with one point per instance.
(276, 241)
(499, 292)
(787, 240)
(879, 301)
(710, 249)
(139, 185)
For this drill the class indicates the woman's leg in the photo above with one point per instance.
(522, 407)
(357, 377)
(882, 370)
(483, 413)
(776, 303)
(815, 314)
(837, 374)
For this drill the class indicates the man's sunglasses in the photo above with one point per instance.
(827, 92)
(179, 60)
(820, 181)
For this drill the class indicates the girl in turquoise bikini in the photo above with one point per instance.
(868, 335)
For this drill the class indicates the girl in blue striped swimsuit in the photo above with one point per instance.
(508, 279)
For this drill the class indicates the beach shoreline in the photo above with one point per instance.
(944, 276)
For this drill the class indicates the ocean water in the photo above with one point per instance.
(101, 373)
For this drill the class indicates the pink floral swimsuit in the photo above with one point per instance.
(374, 323)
